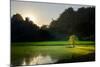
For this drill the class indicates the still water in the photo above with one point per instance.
(37, 55)
(38, 60)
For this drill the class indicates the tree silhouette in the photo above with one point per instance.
(80, 23)
(26, 30)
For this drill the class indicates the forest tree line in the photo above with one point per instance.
(80, 23)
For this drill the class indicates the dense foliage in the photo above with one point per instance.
(26, 30)
(80, 23)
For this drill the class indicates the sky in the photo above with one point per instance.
(39, 12)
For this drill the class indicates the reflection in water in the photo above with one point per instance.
(38, 60)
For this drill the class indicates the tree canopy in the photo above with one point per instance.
(80, 23)
(26, 30)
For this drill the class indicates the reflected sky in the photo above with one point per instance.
(38, 60)
(40, 13)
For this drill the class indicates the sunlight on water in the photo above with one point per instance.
(39, 60)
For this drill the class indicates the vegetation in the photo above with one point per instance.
(28, 39)
(18, 53)
(80, 23)
(72, 40)
(52, 43)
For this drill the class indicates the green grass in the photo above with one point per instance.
(52, 43)
(56, 49)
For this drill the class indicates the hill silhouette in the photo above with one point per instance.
(26, 30)
(80, 23)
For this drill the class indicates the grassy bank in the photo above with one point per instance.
(51, 43)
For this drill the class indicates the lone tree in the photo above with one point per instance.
(72, 40)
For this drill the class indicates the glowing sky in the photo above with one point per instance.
(40, 13)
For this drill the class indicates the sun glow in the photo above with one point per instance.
(31, 17)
